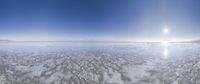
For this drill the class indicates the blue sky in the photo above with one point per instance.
(99, 19)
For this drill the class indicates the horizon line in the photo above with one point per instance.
(104, 41)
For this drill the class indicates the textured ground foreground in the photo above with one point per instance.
(96, 63)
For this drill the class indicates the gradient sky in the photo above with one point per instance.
(99, 19)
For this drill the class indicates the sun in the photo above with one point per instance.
(165, 30)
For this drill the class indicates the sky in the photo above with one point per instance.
(99, 19)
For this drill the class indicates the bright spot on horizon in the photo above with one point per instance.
(165, 43)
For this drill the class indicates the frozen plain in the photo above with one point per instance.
(99, 63)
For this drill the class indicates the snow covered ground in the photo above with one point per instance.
(98, 63)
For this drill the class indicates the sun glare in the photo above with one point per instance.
(165, 53)
(165, 43)
(165, 30)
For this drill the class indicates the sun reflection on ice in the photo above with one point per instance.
(165, 53)
(165, 44)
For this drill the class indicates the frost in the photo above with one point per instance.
(139, 63)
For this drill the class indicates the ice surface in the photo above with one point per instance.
(98, 63)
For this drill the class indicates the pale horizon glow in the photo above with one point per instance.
(163, 42)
